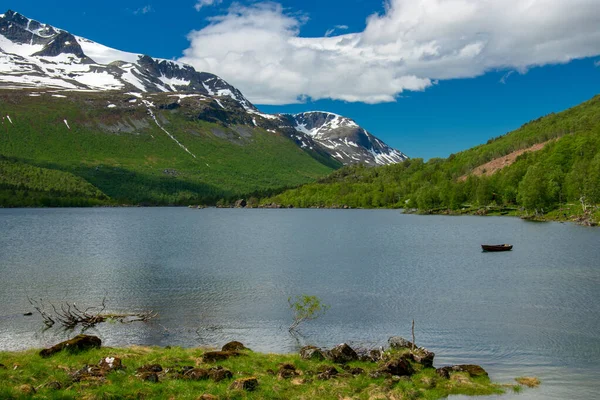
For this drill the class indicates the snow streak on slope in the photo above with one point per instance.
(149, 106)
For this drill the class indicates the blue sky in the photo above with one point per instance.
(428, 80)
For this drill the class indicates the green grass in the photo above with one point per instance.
(27, 369)
(128, 159)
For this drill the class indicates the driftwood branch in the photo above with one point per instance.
(70, 316)
(413, 335)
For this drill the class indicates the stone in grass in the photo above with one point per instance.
(78, 343)
(2, 366)
(233, 346)
(149, 368)
(218, 374)
(111, 364)
(397, 367)
(326, 372)
(207, 396)
(311, 353)
(212, 356)
(196, 374)
(444, 372)
(248, 384)
(342, 353)
(473, 370)
(353, 371)
(287, 371)
(88, 372)
(149, 377)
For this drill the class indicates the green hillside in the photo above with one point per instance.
(111, 151)
(563, 176)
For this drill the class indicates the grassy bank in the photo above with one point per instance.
(28, 375)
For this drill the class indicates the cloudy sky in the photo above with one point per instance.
(429, 77)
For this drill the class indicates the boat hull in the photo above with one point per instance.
(496, 247)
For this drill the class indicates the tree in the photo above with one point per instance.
(305, 308)
(533, 189)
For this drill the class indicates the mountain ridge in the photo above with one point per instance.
(37, 55)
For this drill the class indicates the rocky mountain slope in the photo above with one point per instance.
(37, 55)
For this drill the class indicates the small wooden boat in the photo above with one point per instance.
(496, 247)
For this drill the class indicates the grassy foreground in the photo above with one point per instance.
(26, 375)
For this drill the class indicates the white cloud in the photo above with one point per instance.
(506, 76)
(204, 3)
(410, 46)
(144, 10)
(330, 32)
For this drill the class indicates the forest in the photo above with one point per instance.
(564, 172)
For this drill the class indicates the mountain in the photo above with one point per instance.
(37, 55)
(344, 139)
(551, 165)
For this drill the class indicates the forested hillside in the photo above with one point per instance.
(565, 170)
(73, 148)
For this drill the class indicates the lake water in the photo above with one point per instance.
(217, 275)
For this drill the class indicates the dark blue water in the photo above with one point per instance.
(217, 275)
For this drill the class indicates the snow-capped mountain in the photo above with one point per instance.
(33, 54)
(344, 139)
(37, 55)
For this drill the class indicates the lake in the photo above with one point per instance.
(215, 275)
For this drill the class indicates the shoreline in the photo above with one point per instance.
(570, 213)
(84, 368)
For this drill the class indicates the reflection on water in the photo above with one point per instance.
(218, 275)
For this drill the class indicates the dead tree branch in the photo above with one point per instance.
(70, 316)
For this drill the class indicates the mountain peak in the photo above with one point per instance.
(37, 55)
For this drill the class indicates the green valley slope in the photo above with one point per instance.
(83, 148)
(565, 173)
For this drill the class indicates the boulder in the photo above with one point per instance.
(397, 367)
(212, 356)
(78, 343)
(241, 203)
(196, 374)
(233, 346)
(342, 354)
(372, 355)
(444, 372)
(311, 353)
(248, 384)
(423, 357)
(398, 342)
(218, 374)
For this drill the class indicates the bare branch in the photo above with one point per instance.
(69, 315)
